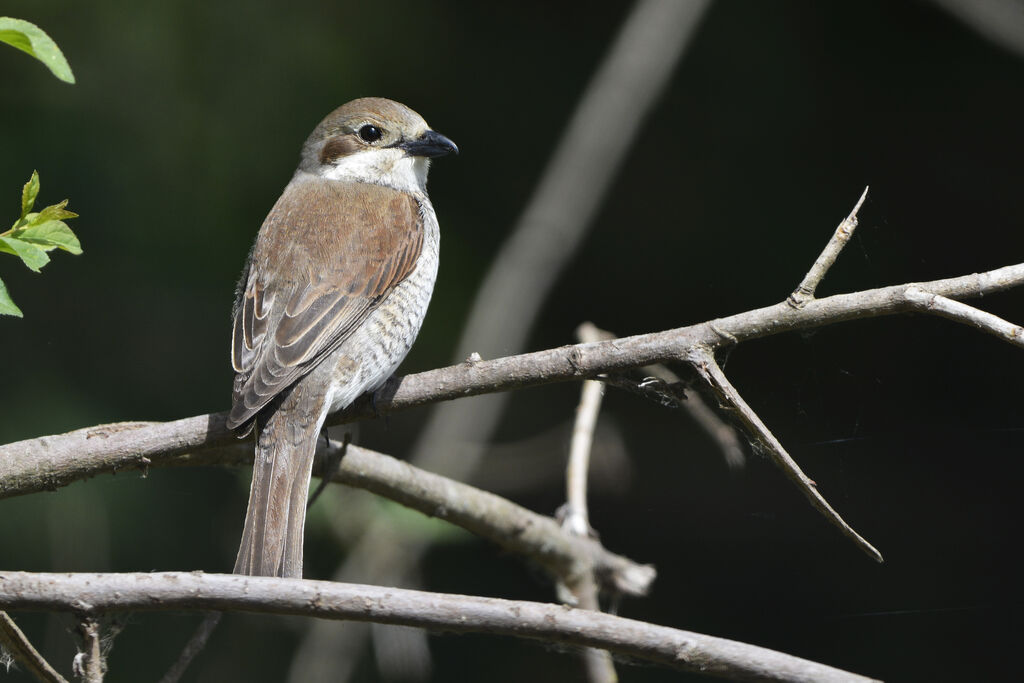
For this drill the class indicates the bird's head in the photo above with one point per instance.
(374, 140)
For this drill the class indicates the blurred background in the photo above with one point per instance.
(186, 123)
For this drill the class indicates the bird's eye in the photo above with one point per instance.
(370, 133)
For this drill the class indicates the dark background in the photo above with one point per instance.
(186, 123)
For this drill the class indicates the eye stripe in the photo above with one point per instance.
(338, 147)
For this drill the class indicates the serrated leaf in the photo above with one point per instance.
(29, 194)
(7, 307)
(31, 255)
(50, 235)
(32, 40)
(56, 212)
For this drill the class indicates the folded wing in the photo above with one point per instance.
(328, 254)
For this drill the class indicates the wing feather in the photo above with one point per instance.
(328, 255)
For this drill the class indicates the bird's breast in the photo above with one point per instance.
(380, 344)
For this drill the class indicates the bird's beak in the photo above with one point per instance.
(431, 144)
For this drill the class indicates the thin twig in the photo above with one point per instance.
(704, 361)
(583, 591)
(597, 662)
(88, 663)
(166, 591)
(668, 391)
(17, 644)
(936, 304)
(330, 464)
(707, 419)
(576, 519)
(805, 291)
(193, 647)
(658, 391)
(514, 528)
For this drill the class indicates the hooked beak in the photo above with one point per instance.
(431, 145)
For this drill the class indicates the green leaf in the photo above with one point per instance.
(56, 212)
(29, 194)
(49, 235)
(7, 306)
(31, 39)
(31, 255)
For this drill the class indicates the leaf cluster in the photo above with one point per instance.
(34, 234)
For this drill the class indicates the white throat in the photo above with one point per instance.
(388, 167)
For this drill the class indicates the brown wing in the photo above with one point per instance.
(327, 255)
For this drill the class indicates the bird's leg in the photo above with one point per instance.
(376, 412)
(331, 465)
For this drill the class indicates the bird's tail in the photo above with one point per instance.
(276, 517)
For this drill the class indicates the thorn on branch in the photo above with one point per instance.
(804, 292)
(704, 360)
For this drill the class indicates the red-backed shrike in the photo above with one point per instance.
(332, 297)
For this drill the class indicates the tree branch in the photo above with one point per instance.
(583, 592)
(937, 304)
(706, 364)
(48, 462)
(88, 663)
(92, 594)
(576, 518)
(193, 647)
(805, 290)
(16, 643)
(492, 517)
(668, 391)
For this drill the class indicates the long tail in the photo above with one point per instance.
(276, 518)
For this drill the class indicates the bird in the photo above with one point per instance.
(332, 296)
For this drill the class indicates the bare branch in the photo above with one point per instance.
(720, 432)
(805, 291)
(576, 519)
(48, 462)
(514, 528)
(705, 362)
(88, 663)
(193, 647)
(706, 418)
(511, 526)
(16, 643)
(583, 591)
(968, 315)
(163, 591)
(597, 662)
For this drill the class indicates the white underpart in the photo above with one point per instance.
(390, 167)
(379, 345)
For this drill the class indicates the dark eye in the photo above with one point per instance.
(370, 133)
